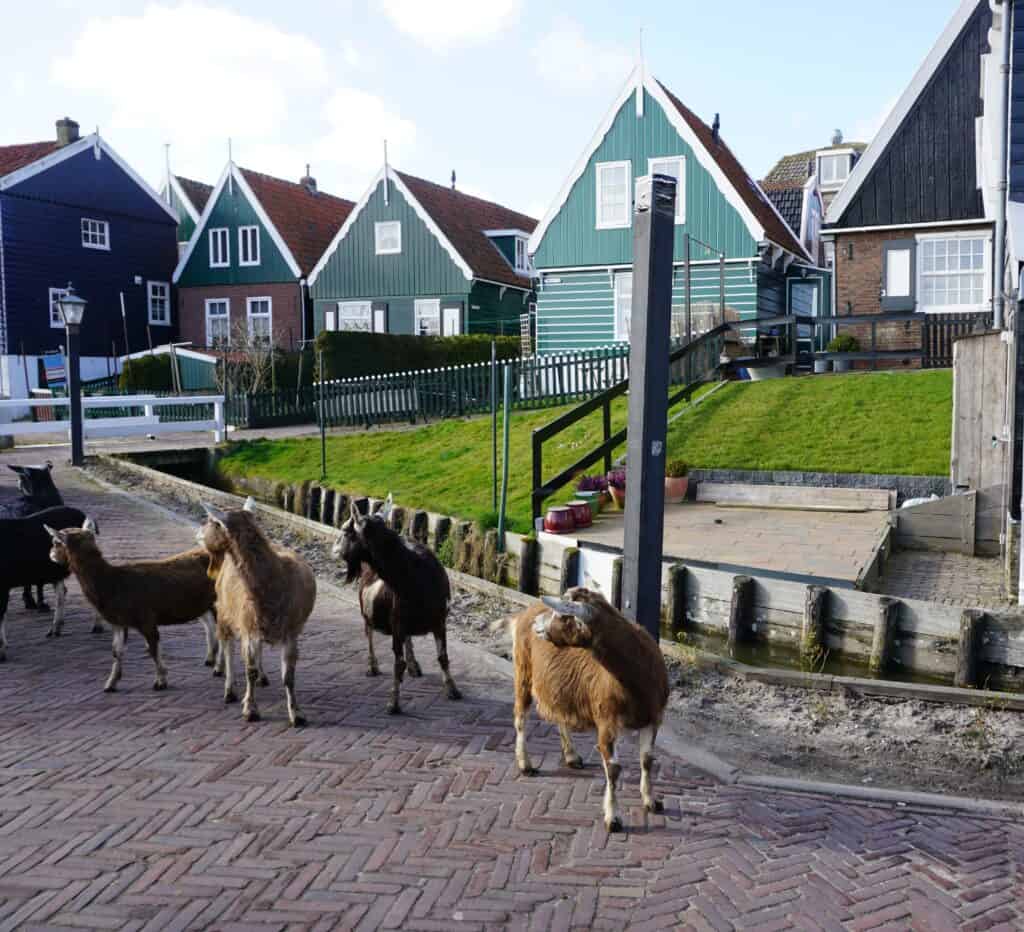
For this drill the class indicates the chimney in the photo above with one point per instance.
(67, 131)
(453, 179)
(837, 138)
(308, 181)
(715, 127)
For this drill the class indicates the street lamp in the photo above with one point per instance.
(72, 309)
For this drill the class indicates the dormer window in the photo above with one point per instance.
(834, 168)
(522, 256)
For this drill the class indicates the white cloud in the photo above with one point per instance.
(568, 59)
(444, 24)
(864, 130)
(359, 123)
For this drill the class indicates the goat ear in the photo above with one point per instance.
(563, 607)
(55, 535)
(89, 525)
(250, 504)
(18, 469)
(49, 465)
(354, 512)
(214, 514)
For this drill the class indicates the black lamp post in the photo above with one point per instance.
(72, 309)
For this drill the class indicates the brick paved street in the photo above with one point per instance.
(950, 578)
(163, 810)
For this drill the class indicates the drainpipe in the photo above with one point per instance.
(1002, 188)
(302, 308)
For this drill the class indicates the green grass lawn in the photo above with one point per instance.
(883, 423)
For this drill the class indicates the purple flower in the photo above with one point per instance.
(617, 479)
(592, 484)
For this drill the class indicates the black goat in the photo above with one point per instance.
(35, 483)
(403, 592)
(25, 544)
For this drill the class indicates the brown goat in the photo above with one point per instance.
(588, 668)
(264, 594)
(142, 596)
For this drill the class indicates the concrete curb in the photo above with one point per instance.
(697, 758)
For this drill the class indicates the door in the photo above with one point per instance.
(380, 319)
(452, 320)
(805, 300)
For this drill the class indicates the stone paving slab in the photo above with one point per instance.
(144, 810)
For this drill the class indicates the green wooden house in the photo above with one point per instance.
(187, 198)
(416, 257)
(582, 249)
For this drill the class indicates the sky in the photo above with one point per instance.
(506, 93)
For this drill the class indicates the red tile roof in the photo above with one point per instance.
(775, 227)
(14, 157)
(463, 219)
(306, 221)
(196, 191)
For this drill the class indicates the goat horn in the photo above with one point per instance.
(250, 504)
(563, 607)
(89, 525)
(53, 534)
(214, 513)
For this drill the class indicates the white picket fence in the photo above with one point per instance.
(148, 422)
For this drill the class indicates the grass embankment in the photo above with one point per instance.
(879, 423)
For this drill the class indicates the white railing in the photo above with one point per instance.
(148, 423)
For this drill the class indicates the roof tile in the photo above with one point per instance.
(18, 156)
(197, 192)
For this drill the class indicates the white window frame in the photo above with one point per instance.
(95, 234)
(838, 153)
(56, 319)
(622, 331)
(242, 233)
(268, 314)
(522, 247)
(150, 297)
(378, 233)
(349, 311)
(227, 317)
(986, 279)
(224, 235)
(600, 224)
(680, 183)
(423, 307)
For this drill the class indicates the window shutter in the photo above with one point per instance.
(899, 275)
(330, 320)
(446, 328)
(379, 317)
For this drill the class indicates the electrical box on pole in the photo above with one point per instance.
(650, 335)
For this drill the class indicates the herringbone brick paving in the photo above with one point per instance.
(144, 810)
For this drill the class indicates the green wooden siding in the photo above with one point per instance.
(492, 312)
(423, 269)
(400, 308)
(186, 225)
(196, 374)
(572, 240)
(233, 210)
(577, 310)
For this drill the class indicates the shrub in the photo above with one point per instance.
(147, 373)
(446, 553)
(843, 343)
(676, 469)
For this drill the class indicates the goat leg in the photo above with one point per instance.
(397, 645)
(117, 649)
(264, 679)
(152, 637)
(373, 669)
(570, 756)
(606, 746)
(441, 640)
(97, 624)
(41, 605)
(647, 737)
(227, 658)
(250, 659)
(26, 595)
(289, 655)
(57, 625)
(411, 664)
(206, 620)
(522, 709)
(4, 598)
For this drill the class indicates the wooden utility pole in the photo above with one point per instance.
(650, 334)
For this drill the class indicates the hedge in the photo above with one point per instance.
(147, 374)
(351, 354)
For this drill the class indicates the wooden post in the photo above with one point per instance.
(442, 531)
(341, 509)
(971, 623)
(490, 558)
(677, 597)
(419, 528)
(299, 501)
(570, 575)
(528, 566)
(327, 506)
(616, 592)
(362, 505)
(740, 611)
(288, 498)
(812, 632)
(397, 519)
(313, 503)
(885, 633)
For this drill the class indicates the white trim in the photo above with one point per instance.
(605, 267)
(625, 223)
(524, 233)
(830, 153)
(231, 172)
(390, 174)
(59, 324)
(680, 184)
(269, 315)
(830, 233)
(986, 302)
(621, 333)
(190, 208)
(241, 252)
(103, 224)
(487, 281)
(149, 303)
(380, 233)
(361, 306)
(165, 348)
(206, 316)
(69, 151)
(870, 156)
(224, 237)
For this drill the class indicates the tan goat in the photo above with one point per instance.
(264, 594)
(589, 669)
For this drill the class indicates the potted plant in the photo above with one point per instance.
(843, 343)
(617, 487)
(593, 489)
(676, 481)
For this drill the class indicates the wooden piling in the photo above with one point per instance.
(326, 506)
(570, 575)
(812, 631)
(616, 593)
(341, 508)
(362, 505)
(740, 611)
(419, 527)
(396, 520)
(490, 556)
(313, 502)
(971, 622)
(885, 634)
(442, 531)
(676, 609)
(528, 551)
(301, 490)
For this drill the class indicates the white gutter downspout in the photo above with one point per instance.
(998, 304)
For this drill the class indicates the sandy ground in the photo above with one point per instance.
(756, 727)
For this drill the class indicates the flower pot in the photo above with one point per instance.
(582, 515)
(841, 365)
(618, 497)
(675, 489)
(559, 520)
(593, 499)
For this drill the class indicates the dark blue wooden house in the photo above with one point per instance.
(72, 210)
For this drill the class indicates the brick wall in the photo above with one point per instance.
(285, 305)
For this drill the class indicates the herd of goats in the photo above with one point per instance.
(584, 665)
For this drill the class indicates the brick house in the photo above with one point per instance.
(243, 273)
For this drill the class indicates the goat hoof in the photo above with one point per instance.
(230, 697)
(3, 657)
(575, 762)
(160, 685)
(414, 669)
(218, 673)
(453, 692)
(43, 607)
(615, 825)
(655, 805)
(51, 633)
(251, 716)
(264, 680)
(110, 688)
(529, 771)
(299, 721)
(373, 671)
(96, 629)
(394, 708)
(208, 662)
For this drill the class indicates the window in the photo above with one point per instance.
(95, 234)
(354, 315)
(834, 169)
(522, 256)
(623, 304)
(220, 248)
(953, 273)
(158, 296)
(248, 245)
(260, 316)
(218, 322)
(388, 237)
(613, 195)
(56, 317)
(676, 168)
(427, 317)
